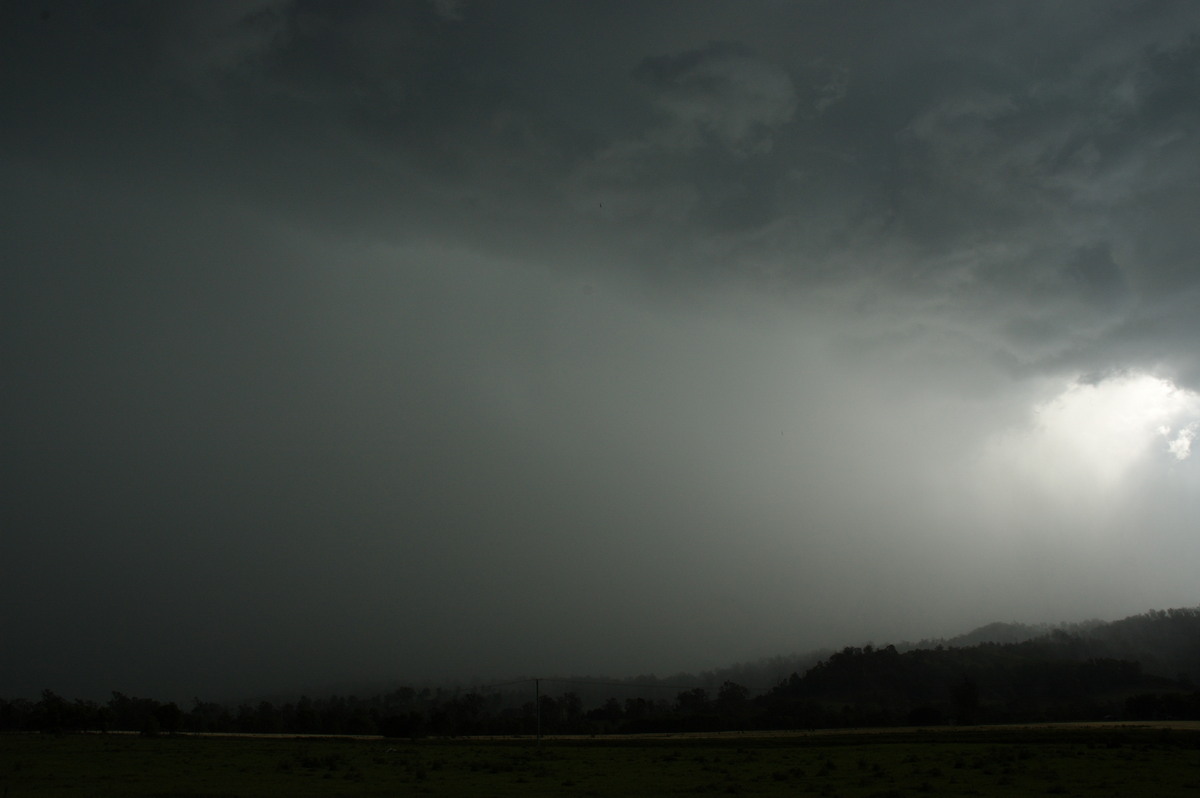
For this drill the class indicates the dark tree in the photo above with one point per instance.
(169, 717)
(965, 700)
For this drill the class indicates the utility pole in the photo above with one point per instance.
(537, 708)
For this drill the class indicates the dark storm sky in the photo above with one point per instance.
(357, 340)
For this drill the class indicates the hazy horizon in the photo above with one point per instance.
(451, 339)
(367, 686)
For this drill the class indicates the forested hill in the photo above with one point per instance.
(1165, 642)
(1145, 665)
(1142, 667)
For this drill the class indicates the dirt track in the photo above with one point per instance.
(1183, 725)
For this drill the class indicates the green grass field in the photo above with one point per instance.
(1112, 761)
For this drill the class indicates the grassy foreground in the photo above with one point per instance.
(1111, 761)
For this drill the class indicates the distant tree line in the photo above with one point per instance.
(1056, 677)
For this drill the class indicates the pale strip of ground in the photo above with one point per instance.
(1187, 725)
(1182, 725)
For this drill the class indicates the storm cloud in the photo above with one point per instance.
(453, 340)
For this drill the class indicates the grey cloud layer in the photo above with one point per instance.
(473, 338)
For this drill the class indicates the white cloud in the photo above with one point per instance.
(1181, 445)
(1085, 441)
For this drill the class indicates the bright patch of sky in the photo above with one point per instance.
(1092, 434)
